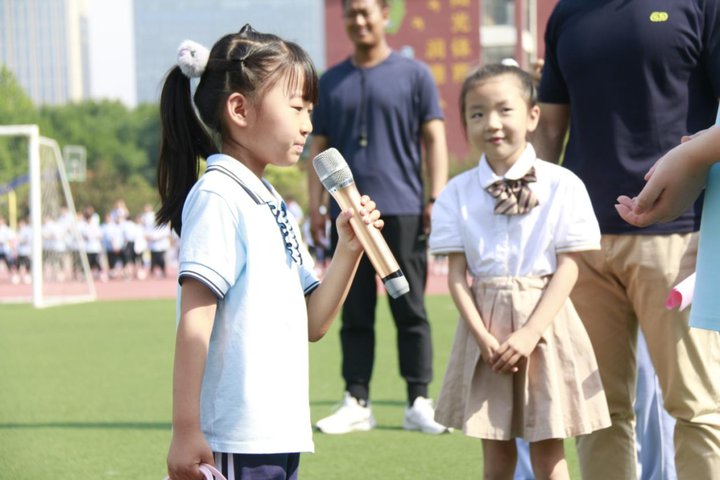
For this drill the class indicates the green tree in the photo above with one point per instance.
(117, 165)
(146, 123)
(15, 108)
(15, 105)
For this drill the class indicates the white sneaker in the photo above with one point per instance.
(421, 417)
(350, 417)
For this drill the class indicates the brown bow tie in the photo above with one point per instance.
(514, 197)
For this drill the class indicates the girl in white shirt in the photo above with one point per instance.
(521, 365)
(249, 301)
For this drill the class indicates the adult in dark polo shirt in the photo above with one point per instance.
(380, 110)
(629, 78)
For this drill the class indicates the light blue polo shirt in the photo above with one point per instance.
(705, 310)
(254, 395)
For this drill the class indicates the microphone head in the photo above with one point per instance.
(332, 169)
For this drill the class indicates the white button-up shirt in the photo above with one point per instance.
(463, 220)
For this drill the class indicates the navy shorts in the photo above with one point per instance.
(270, 466)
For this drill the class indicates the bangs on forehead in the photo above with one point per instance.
(300, 74)
(300, 78)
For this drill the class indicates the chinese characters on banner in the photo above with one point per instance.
(444, 34)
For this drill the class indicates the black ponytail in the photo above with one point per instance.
(183, 142)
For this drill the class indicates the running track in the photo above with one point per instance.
(150, 288)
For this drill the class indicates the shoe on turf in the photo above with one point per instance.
(421, 417)
(349, 417)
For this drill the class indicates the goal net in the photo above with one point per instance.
(47, 264)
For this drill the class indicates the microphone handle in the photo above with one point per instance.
(373, 242)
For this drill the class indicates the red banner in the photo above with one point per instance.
(444, 34)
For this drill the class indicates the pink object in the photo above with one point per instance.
(210, 473)
(682, 294)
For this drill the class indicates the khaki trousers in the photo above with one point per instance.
(624, 286)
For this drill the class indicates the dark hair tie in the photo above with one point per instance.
(221, 64)
(246, 29)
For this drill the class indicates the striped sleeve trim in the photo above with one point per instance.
(578, 247)
(202, 279)
(444, 249)
(311, 288)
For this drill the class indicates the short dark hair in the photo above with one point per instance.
(492, 70)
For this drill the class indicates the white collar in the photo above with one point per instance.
(516, 171)
(259, 186)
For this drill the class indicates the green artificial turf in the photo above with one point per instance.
(84, 390)
(85, 394)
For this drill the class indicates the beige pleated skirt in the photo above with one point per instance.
(557, 393)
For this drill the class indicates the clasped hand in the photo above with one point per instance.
(505, 357)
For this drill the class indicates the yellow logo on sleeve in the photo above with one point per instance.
(658, 17)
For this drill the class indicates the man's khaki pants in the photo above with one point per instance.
(620, 287)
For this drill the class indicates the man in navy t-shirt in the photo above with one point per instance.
(379, 109)
(629, 78)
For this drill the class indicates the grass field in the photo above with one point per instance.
(85, 394)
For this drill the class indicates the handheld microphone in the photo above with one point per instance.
(335, 175)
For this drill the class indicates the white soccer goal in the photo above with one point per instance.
(59, 272)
